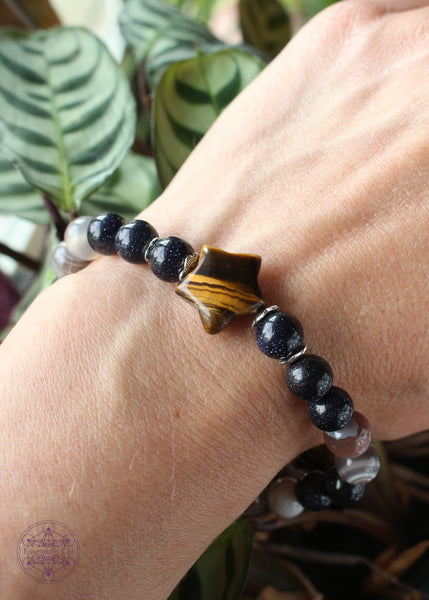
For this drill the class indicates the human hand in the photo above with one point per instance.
(162, 434)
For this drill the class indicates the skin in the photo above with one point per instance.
(123, 419)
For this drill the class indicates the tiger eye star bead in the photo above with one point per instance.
(222, 286)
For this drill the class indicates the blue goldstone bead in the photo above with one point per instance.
(279, 335)
(309, 377)
(310, 491)
(342, 493)
(132, 240)
(102, 232)
(331, 412)
(167, 256)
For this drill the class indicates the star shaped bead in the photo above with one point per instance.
(222, 286)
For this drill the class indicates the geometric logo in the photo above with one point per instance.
(48, 551)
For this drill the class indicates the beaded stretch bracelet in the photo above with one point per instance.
(222, 285)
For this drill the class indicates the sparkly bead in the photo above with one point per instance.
(310, 491)
(76, 239)
(167, 256)
(63, 263)
(331, 412)
(279, 335)
(282, 500)
(342, 493)
(132, 240)
(102, 232)
(361, 469)
(257, 507)
(309, 377)
(352, 440)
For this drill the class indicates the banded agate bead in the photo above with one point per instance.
(76, 239)
(352, 440)
(63, 263)
(282, 500)
(361, 469)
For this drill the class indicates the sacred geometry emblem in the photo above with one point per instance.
(222, 286)
(48, 551)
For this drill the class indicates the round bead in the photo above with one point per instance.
(102, 232)
(309, 377)
(76, 239)
(282, 500)
(167, 256)
(352, 440)
(331, 412)
(342, 493)
(63, 263)
(310, 491)
(359, 470)
(132, 240)
(279, 335)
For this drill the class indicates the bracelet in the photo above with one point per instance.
(223, 285)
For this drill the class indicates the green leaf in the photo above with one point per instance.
(220, 573)
(265, 24)
(188, 99)
(197, 9)
(160, 34)
(67, 116)
(307, 8)
(17, 197)
(131, 189)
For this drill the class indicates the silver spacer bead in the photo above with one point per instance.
(189, 265)
(291, 359)
(149, 248)
(264, 313)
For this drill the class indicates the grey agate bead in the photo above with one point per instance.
(76, 239)
(63, 263)
(282, 500)
(361, 469)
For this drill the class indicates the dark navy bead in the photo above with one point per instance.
(102, 232)
(309, 377)
(342, 493)
(132, 240)
(331, 412)
(279, 335)
(166, 257)
(310, 491)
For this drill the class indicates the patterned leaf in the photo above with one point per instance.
(17, 197)
(28, 13)
(67, 116)
(132, 187)
(160, 34)
(265, 25)
(220, 573)
(189, 98)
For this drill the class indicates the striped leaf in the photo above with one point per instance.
(132, 187)
(17, 197)
(188, 99)
(67, 116)
(220, 573)
(160, 34)
(265, 24)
